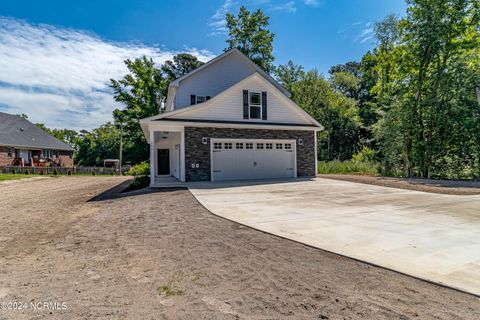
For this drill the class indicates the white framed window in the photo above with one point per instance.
(217, 145)
(269, 146)
(228, 145)
(249, 145)
(47, 153)
(279, 146)
(239, 145)
(288, 146)
(255, 105)
(10, 152)
(259, 145)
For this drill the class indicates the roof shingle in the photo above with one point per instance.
(16, 131)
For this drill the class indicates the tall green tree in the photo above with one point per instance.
(356, 80)
(97, 145)
(427, 82)
(288, 74)
(336, 112)
(68, 136)
(248, 32)
(182, 64)
(141, 92)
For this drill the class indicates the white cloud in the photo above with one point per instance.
(60, 76)
(217, 21)
(288, 7)
(313, 3)
(365, 34)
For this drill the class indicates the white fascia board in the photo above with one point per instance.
(165, 125)
(149, 127)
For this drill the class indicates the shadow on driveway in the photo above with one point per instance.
(117, 192)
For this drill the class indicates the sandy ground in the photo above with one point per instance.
(426, 185)
(109, 257)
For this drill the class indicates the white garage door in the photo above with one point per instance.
(245, 159)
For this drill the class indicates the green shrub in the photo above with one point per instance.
(141, 169)
(27, 172)
(93, 173)
(365, 155)
(139, 182)
(41, 172)
(141, 173)
(55, 172)
(344, 167)
(14, 171)
(69, 173)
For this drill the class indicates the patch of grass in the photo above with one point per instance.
(196, 276)
(9, 176)
(168, 290)
(346, 167)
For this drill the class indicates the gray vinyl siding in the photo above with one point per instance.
(213, 80)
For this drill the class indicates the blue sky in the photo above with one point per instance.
(56, 56)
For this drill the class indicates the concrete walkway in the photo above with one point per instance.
(430, 236)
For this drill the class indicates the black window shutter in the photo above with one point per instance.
(264, 105)
(207, 98)
(245, 104)
(193, 99)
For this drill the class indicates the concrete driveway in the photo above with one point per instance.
(431, 236)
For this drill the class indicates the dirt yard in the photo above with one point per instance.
(160, 255)
(425, 185)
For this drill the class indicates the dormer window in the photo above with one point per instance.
(201, 99)
(255, 105)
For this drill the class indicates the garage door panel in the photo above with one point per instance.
(252, 159)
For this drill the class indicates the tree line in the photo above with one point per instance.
(412, 104)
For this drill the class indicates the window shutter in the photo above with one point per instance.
(264, 105)
(193, 99)
(245, 104)
(207, 98)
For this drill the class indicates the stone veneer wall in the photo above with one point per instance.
(196, 152)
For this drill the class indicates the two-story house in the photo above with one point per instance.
(229, 120)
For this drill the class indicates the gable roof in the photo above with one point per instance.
(16, 131)
(205, 105)
(176, 83)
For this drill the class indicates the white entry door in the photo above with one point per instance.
(246, 159)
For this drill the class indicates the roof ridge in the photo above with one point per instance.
(176, 82)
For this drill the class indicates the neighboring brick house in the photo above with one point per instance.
(22, 143)
(229, 120)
